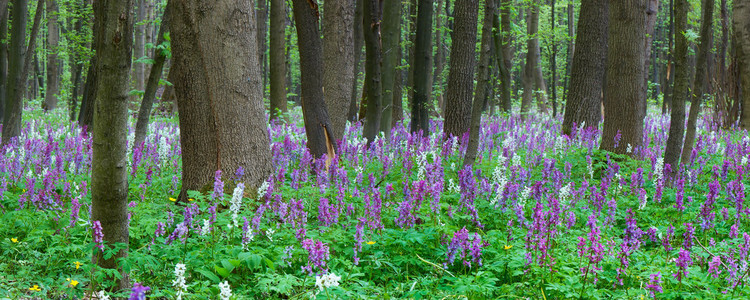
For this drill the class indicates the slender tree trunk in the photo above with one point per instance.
(722, 99)
(86, 112)
(140, 45)
(623, 122)
(571, 49)
(699, 83)
(422, 54)
(373, 83)
(320, 136)
(741, 24)
(391, 33)
(652, 10)
(533, 81)
(277, 57)
(217, 81)
(16, 72)
(262, 20)
(109, 176)
(160, 56)
(50, 99)
(668, 89)
(553, 60)
(483, 77)
(3, 56)
(358, 40)
(584, 99)
(338, 61)
(398, 89)
(461, 75)
(439, 60)
(680, 92)
(505, 48)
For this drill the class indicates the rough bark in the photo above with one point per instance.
(667, 102)
(505, 77)
(373, 83)
(53, 36)
(699, 83)
(109, 177)
(571, 49)
(422, 54)
(398, 89)
(460, 89)
(140, 45)
(358, 41)
(741, 22)
(391, 33)
(86, 112)
(216, 75)
(439, 60)
(680, 91)
(262, 21)
(3, 56)
(625, 72)
(652, 10)
(553, 61)
(277, 58)
(483, 78)
(584, 98)
(338, 61)
(149, 94)
(17, 72)
(320, 137)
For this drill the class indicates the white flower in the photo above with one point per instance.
(262, 189)
(659, 169)
(179, 281)
(206, 227)
(236, 203)
(565, 193)
(327, 280)
(102, 295)
(226, 292)
(630, 148)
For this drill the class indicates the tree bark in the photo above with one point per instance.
(358, 40)
(50, 99)
(391, 33)
(533, 82)
(439, 61)
(680, 91)
(482, 83)
(668, 89)
(109, 176)
(699, 83)
(262, 20)
(571, 49)
(583, 107)
(741, 22)
(398, 88)
(373, 83)
(320, 137)
(422, 54)
(160, 56)
(652, 10)
(461, 75)
(218, 87)
(625, 73)
(338, 61)
(86, 112)
(505, 63)
(277, 58)
(3, 57)
(140, 45)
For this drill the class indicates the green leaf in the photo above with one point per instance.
(222, 272)
(210, 275)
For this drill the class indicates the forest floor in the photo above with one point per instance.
(540, 216)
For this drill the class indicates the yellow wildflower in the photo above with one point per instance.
(507, 247)
(35, 288)
(78, 264)
(371, 242)
(172, 199)
(73, 283)
(15, 240)
(191, 199)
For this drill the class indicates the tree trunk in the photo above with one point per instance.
(553, 60)
(699, 83)
(742, 36)
(3, 57)
(160, 56)
(652, 10)
(505, 48)
(358, 40)
(109, 177)
(391, 33)
(277, 58)
(320, 136)
(17, 73)
(439, 61)
(622, 116)
(533, 82)
(583, 107)
(422, 54)
(668, 89)
(398, 89)
(571, 49)
(218, 87)
(482, 83)
(50, 99)
(371, 26)
(338, 61)
(461, 75)
(680, 91)
(140, 45)
(262, 20)
(86, 112)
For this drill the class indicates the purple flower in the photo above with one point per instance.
(713, 266)
(317, 256)
(218, 187)
(460, 244)
(327, 213)
(98, 235)
(75, 207)
(683, 261)
(359, 237)
(654, 284)
(688, 236)
(139, 292)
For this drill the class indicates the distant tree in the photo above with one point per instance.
(422, 54)
(623, 121)
(320, 136)
(588, 67)
(505, 48)
(217, 81)
(533, 82)
(482, 77)
(3, 57)
(681, 86)
(741, 24)
(109, 177)
(460, 89)
(53, 36)
(338, 61)
(391, 34)
(139, 51)
(277, 58)
(373, 60)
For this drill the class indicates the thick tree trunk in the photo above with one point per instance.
(320, 136)
(680, 91)
(50, 99)
(3, 56)
(338, 61)
(358, 40)
(505, 48)
(371, 26)
(623, 119)
(422, 54)
(109, 176)
(277, 58)
(461, 75)
(587, 73)
(742, 36)
(482, 84)
(391, 33)
(160, 56)
(218, 87)
(699, 83)
(17, 72)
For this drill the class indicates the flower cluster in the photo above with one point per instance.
(327, 281)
